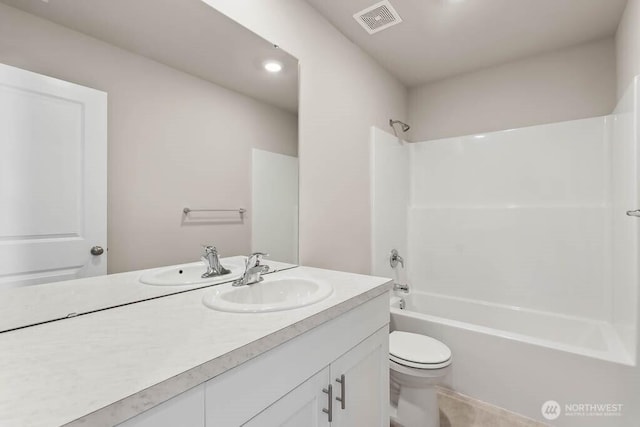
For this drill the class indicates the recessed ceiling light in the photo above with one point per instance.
(273, 66)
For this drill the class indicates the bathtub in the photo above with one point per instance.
(518, 359)
(430, 312)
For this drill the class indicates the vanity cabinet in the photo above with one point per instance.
(289, 384)
(301, 407)
(357, 396)
(364, 386)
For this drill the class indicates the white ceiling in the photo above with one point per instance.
(440, 38)
(187, 35)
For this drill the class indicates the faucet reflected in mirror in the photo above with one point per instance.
(212, 261)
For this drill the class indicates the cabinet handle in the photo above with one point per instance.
(342, 398)
(329, 412)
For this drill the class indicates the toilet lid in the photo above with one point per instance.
(417, 349)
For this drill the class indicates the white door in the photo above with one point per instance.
(302, 407)
(361, 384)
(53, 179)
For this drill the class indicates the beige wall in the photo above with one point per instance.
(563, 85)
(628, 46)
(343, 93)
(174, 141)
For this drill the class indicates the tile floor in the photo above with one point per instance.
(458, 410)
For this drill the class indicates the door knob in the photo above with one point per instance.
(97, 250)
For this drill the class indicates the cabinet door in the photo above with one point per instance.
(361, 383)
(303, 406)
(184, 410)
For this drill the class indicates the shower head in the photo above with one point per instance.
(405, 127)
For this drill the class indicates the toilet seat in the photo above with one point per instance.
(418, 351)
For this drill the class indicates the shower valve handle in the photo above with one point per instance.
(395, 258)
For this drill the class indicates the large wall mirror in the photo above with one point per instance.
(131, 134)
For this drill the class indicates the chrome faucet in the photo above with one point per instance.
(212, 261)
(253, 270)
(400, 287)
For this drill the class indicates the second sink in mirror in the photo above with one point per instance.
(191, 274)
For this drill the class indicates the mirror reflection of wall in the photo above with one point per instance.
(181, 125)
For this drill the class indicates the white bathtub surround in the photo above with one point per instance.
(102, 368)
(531, 219)
(487, 223)
(519, 245)
(534, 218)
(514, 217)
(624, 196)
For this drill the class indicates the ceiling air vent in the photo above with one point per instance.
(378, 17)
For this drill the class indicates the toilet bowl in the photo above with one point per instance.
(417, 364)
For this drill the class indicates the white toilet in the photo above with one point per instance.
(417, 363)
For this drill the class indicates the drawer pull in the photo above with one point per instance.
(342, 398)
(329, 411)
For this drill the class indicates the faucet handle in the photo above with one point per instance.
(208, 249)
(395, 258)
(254, 259)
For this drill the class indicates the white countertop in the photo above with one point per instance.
(101, 368)
(30, 305)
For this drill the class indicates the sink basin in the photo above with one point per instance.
(191, 274)
(273, 294)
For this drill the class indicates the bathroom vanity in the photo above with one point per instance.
(174, 361)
